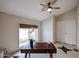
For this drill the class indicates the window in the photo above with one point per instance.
(27, 33)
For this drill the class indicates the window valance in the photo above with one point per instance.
(28, 26)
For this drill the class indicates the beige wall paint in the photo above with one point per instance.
(9, 30)
(66, 18)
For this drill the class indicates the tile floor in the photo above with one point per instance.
(59, 54)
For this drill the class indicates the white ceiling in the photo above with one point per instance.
(32, 9)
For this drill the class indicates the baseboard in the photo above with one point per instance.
(65, 43)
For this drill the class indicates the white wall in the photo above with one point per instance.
(9, 30)
(0, 5)
(0, 30)
(78, 26)
(54, 28)
(66, 27)
(48, 29)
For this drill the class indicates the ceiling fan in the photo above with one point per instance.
(49, 6)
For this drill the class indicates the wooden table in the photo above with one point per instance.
(39, 47)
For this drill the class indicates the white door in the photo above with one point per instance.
(66, 31)
(60, 31)
(70, 31)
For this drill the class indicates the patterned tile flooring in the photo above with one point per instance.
(59, 54)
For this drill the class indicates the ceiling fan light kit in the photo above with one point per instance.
(49, 9)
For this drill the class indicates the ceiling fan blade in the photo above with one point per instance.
(42, 4)
(43, 9)
(55, 7)
(54, 2)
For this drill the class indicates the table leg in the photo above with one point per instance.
(29, 54)
(51, 56)
(25, 55)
